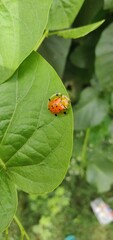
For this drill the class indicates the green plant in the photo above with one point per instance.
(35, 146)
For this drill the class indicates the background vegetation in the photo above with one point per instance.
(85, 65)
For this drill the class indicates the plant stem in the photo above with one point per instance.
(6, 234)
(45, 34)
(52, 33)
(84, 149)
(22, 230)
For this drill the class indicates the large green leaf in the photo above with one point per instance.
(91, 110)
(21, 27)
(104, 58)
(34, 144)
(63, 13)
(55, 50)
(78, 32)
(8, 200)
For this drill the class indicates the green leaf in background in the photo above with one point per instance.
(100, 156)
(8, 200)
(78, 32)
(100, 173)
(55, 50)
(21, 27)
(63, 13)
(90, 111)
(112, 100)
(82, 56)
(104, 59)
(108, 4)
(90, 12)
(35, 146)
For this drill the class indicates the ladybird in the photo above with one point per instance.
(58, 103)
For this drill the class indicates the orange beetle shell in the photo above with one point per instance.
(58, 103)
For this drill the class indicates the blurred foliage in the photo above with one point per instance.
(87, 71)
(62, 212)
(90, 62)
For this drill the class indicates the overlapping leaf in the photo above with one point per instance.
(63, 13)
(21, 27)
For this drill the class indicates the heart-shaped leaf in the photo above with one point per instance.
(21, 27)
(8, 200)
(35, 146)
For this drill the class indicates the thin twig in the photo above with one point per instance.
(22, 230)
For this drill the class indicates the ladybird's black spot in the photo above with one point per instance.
(55, 114)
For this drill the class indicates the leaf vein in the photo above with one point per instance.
(36, 126)
(2, 140)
